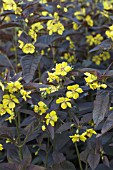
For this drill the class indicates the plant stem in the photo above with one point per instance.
(47, 150)
(18, 132)
(86, 166)
(39, 71)
(78, 155)
(16, 55)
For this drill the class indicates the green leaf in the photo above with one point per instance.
(10, 24)
(35, 167)
(58, 157)
(66, 165)
(64, 127)
(101, 106)
(51, 131)
(47, 40)
(13, 156)
(29, 65)
(5, 62)
(93, 160)
(8, 166)
(5, 132)
(108, 124)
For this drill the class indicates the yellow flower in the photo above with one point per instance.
(62, 69)
(101, 57)
(104, 86)
(55, 25)
(50, 89)
(56, 16)
(74, 91)
(18, 10)
(77, 138)
(41, 108)
(51, 118)
(19, 33)
(42, 52)
(2, 86)
(14, 86)
(11, 117)
(80, 14)
(28, 48)
(43, 128)
(105, 56)
(65, 102)
(94, 85)
(97, 59)
(109, 32)
(107, 5)
(10, 100)
(1, 147)
(44, 13)
(90, 132)
(92, 81)
(21, 44)
(37, 26)
(7, 19)
(58, 6)
(89, 20)
(60, 28)
(75, 26)
(43, 1)
(90, 39)
(69, 58)
(9, 4)
(25, 94)
(97, 39)
(90, 77)
(51, 27)
(4, 109)
(33, 34)
(65, 9)
(72, 46)
(52, 77)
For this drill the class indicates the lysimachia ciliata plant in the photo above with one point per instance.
(56, 89)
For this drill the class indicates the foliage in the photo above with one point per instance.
(56, 90)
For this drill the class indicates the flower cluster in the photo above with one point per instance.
(70, 58)
(10, 100)
(41, 108)
(35, 28)
(1, 147)
(26, 48)
(64, 101)
(97, 39)
(73, 92)
(89, 20)
(55, 26)
(97, 59)
(83, 137)
(80, 14)
(71, 43)
(11, 5)
(61, 69)
(109, 32)
(92, 81)
(48, 90)
(49, 118)
(107, 5)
